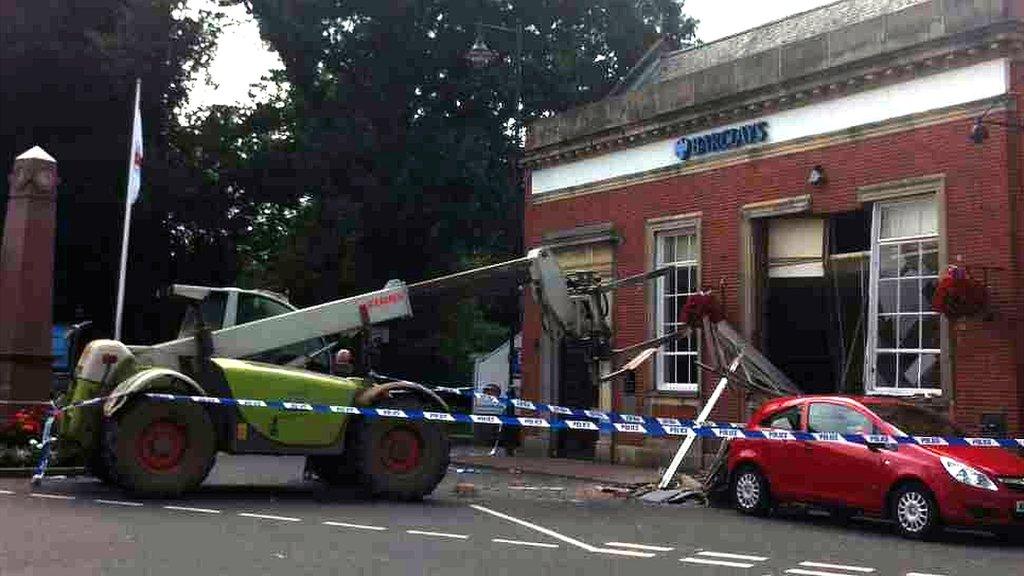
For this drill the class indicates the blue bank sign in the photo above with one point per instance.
(721, 141)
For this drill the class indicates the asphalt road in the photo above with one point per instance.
(256, 516)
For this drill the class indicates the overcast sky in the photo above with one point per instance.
(242, 58)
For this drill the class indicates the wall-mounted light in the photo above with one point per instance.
(979, 133)
(817, 176)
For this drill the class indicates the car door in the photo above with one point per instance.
(781, 456)
(841, 473)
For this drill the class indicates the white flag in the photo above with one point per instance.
(135, 161)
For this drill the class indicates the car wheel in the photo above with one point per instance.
(915, 511)
(159, 448)
(398, 458)
(750, 491)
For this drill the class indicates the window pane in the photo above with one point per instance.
(930, 371)
(910, 260)
(927, 292)
(669, 310)
(929, 258)
(930, 331)
(682, 281)
(693, 279)
(669, 374)
(668, 249)
(910, 332)
(887, 290)
(889, 261)
(886, 374)
(670, 283)
(887, 331)
(908, 366)
(910, 295)
(694, 369)
(908, 219)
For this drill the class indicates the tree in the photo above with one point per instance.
(67, 73)
(406, 147)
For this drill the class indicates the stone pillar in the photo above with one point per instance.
(26, 278)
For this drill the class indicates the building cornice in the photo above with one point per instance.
(1005, 39)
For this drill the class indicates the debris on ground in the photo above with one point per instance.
(465, 489)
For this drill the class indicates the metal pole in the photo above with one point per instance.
(128, 200)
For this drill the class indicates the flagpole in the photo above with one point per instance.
(128, 201)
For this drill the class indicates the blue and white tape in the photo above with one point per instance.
(564, 418)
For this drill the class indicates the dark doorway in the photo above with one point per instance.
(575, 389)
(798, 326)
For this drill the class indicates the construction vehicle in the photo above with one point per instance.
(159, 448)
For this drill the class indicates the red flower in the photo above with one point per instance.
(958, 295)
(697, 307)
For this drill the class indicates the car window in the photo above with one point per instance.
(212, 308)
(825, 417)
(252, 307)
(788, 419)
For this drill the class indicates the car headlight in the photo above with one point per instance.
(963, 473)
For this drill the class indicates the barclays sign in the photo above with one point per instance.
(721, 141)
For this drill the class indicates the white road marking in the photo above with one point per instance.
(117, 502)
(52, 496)
(733, 556)
(356, 526)
(640, 546)
(561, 537)
(921, 574)
(693, 560)
(438, 534)
(269, 517)
(837, 567)
(802, 572)
(189, 509)
(6, 492)
(521, 543)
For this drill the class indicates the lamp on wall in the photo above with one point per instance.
(979, 133)
(817, 176)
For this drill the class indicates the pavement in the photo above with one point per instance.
(258, 516)
(613, 474)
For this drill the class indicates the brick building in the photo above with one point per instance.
(818, 173)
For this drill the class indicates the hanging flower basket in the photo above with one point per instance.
(698, 306)
(959, 296)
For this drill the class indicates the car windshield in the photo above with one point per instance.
(913, 421)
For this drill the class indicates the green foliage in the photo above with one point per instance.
(465, 331)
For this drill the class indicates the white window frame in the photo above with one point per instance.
(658, 234)
(871, 348)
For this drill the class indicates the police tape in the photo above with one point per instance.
(597, 421)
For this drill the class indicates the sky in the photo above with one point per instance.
(242, 58)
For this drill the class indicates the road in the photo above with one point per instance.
(256, 516)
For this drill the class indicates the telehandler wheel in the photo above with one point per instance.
(159, 448)
(397, 458)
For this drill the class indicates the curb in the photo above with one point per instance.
(27, 472)
(603, 481)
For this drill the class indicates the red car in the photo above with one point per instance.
(919, 487)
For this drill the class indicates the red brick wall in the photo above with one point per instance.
(981, 218)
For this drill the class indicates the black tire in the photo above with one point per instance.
(385, 460)
(750, 492)
(332, 470)
(159, 448)
(914, 510)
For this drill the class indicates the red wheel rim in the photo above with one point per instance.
(400, 450)
(161, 446)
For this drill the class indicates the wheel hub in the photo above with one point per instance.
(912, 511)
(400, 450)
(161, 446)
(748, 491)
